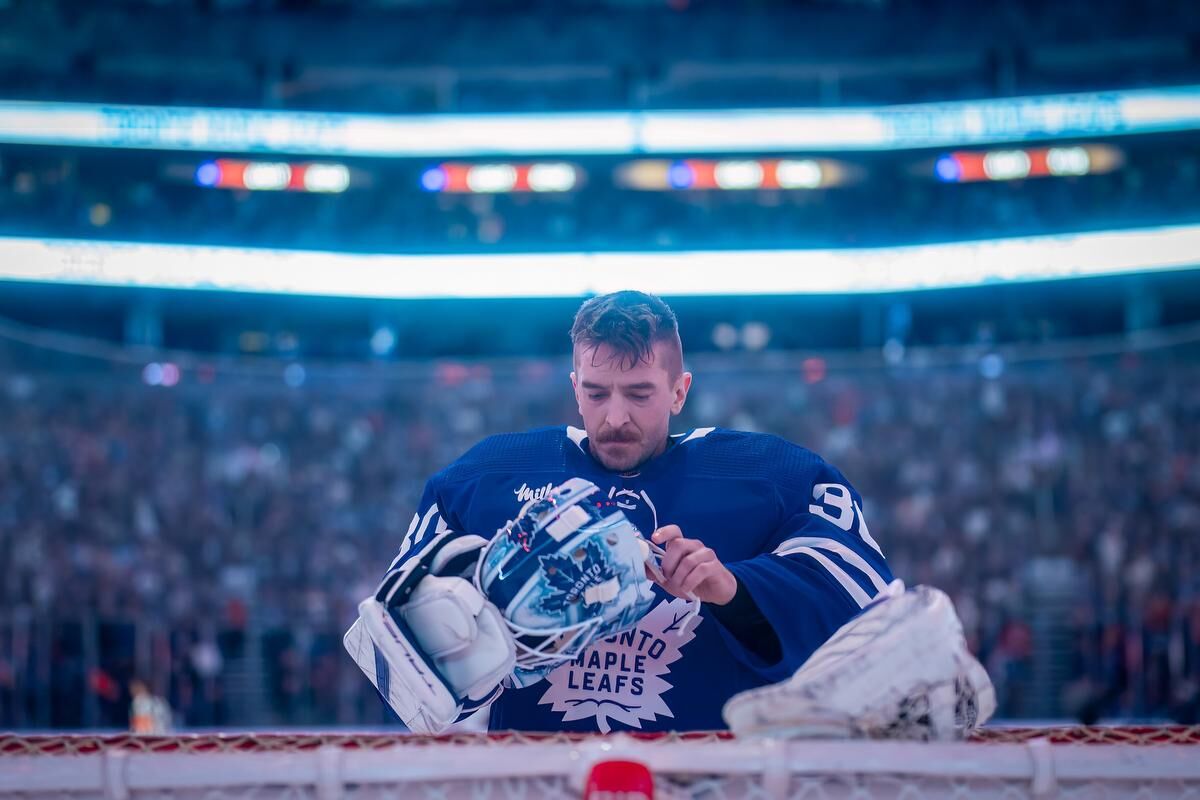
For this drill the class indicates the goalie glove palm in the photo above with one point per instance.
(428, 639)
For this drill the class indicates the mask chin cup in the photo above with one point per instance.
(543, 648)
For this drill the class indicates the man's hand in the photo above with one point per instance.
(691, 570)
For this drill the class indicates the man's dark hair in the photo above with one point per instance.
(631, 323)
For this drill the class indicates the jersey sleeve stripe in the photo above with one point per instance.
(832, 545)
(849, 584)
(415, 533)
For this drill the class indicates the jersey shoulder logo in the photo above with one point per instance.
(623, 678)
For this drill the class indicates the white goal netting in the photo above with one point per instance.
(1081, 763)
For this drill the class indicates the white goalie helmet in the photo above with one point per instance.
(565, 574)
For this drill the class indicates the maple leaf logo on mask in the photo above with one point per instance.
(570, 574)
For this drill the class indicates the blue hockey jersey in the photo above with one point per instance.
(786, 523)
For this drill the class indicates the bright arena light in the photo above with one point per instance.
(170, 374)
(803, 174)
(681, 176)
(1068, 161)
(947, 169)
(208, 174)
(267, 176)
(711, 273)
(556, 177)
(725, 336)
(490, 178)
(383, 341)
(332, 178)
(914, 126)
(433, 179)
(755, 335)
(1007, 165)
(738, 175)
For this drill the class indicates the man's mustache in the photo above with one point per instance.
(617, 436)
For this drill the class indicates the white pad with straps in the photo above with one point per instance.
(463, 633)
(430, 642)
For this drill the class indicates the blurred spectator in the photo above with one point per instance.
(148, 713)
(217, 537)
(443, 55)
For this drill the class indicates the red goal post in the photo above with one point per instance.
(998, 762)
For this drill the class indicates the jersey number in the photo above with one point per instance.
(834, 504)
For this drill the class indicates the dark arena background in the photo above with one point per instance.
(267, 265)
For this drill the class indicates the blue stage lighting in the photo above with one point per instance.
(208, 174)
(433, 179)
(680, 175)
(947, 169)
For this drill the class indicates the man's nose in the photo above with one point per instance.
(617, 414)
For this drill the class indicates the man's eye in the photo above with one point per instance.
(640, 397)
(595, 397)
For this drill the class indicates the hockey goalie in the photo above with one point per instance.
(464, 620)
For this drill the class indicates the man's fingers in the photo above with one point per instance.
(676, 552)
(686, 563)
(692, 560)
(666, 533)
(702, 572)
(675, 585)
(685, 576)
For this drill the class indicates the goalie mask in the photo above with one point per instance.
(565, 574)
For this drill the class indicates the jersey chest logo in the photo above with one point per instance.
(637, 506)
(624, 677)
(524, 493)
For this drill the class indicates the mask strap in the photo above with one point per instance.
(654, 558)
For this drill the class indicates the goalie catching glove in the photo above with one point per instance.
(462, 616)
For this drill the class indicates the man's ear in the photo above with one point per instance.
(575, 388)
(682, 385)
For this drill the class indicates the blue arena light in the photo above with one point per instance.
(991, 366)
(383, 341)
(294, 375)
(947, 169)
(433, 179)
(574, 274)
(681, 176)
(208, 174)
(758, 131)
(152, 374)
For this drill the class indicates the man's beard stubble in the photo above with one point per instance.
(635, 463)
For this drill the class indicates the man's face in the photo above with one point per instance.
(627, 412)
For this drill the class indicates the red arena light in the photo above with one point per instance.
(273, 176)
(502, 178)
(971, 166)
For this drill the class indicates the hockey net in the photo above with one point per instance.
(1095, 762)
